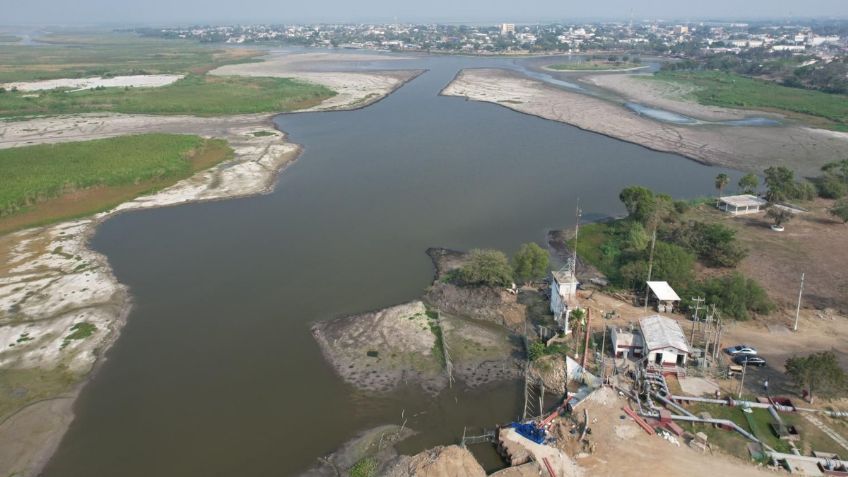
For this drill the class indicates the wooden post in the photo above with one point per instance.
(588, 330)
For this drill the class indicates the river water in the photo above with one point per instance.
(216, 373)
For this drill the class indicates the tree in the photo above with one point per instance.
(780, 182)
(734, 295)
(672, 263)
(779, 216)
(530, 263)
(818, 372)
(716, 245)
(721, 182)
(840, 210)
(639, 202)
(486, 267)
(838, 169)
(749, 183)
(637, 238)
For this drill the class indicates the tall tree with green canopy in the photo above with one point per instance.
(530, 263)
(486, 267)
(818, 373)
(639, 202)
(721, 182)
(780, 182)
(748, 183)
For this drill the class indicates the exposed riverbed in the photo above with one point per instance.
(216, 372)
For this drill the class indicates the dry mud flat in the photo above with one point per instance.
(355, 89)
(398, 346)
(745, 148)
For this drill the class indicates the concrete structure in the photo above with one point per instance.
(665, 296)
(507, 28)
(665, 342)
(741, 204)
(627, 343)
(563, 294)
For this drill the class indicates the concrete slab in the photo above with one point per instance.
(694, 386)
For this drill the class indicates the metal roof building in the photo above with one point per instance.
(665, 342)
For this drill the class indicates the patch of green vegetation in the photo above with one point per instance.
(112, 54)
(24, 338)
(81, 331)
(201, 95)
(32, 174)
(102, 173)
(538, 349)
(438, 348)
(365, 467)
(717, 88)
(262, 133)
(594, 66)
(5, 38)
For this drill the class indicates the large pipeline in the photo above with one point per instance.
(671, 404)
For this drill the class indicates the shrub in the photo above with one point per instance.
(486, 267)
(734, 295)
(831, 187)
(840, 210)
(530, 263)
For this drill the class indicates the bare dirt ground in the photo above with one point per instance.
(813, 243)
(621, 447)
(745, 148)
(355, 89)
(138, 81)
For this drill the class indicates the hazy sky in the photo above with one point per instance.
(281, 11)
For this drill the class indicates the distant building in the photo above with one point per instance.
(563, 294)
(665, 343)
(741, 204)
(507, 28)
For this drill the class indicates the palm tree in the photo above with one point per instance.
(721, 182)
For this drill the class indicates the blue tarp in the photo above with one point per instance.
(530, 431)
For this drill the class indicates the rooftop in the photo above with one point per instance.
(661, 332)
(663, 291)
(744, 200)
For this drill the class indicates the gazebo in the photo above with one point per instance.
(665, 295)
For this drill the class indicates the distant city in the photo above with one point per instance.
(825, 40)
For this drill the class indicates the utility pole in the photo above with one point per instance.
(697, 301)
(576, 230)
(742, 381)
(604, 358)
(650, 268)
(798, 308)
(588, 330)
(719, 330)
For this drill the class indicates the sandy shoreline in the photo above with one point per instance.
(744, 148)
(50, 279)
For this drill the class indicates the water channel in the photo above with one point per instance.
(216, 373)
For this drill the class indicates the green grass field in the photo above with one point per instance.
(95, 174)
(201, 95)
(593, 66)
(729, 90)
(76, 55)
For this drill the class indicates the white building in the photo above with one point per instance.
(507, 28)
(665, 343)
(741, 204)
(563, 294)
(627, 343)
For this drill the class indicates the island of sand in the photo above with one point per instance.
(747, 148)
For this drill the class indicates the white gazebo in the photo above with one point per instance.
(741, 204)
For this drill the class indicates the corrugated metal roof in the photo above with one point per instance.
(745, 200)
(661, 332)
(663, 291)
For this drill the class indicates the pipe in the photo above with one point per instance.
(674, 406)
(726, 423)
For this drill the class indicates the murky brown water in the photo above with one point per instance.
(216, 373)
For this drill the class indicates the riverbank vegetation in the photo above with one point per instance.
(596, 64)
(201, 95)
(623, 250)
(493, 268)
(51, 182)
(727, 89)
(78, 55)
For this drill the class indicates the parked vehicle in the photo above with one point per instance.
(750, 360)
(740, 349)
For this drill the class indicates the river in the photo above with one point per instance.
(216, 373)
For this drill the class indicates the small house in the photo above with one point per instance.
(627, 343)
(665, 342)
(563, 294)
(665, 296)
(741, 204)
